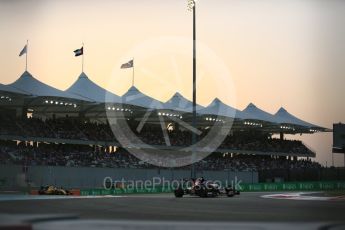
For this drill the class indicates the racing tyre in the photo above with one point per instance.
(230, 193)
(179, 193)
(203, 193)
(200, 191)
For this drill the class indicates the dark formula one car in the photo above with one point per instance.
(202, 188)
(52, 190)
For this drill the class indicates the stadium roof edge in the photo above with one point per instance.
(84, 87)
(32, 86)
(180, 103)
(252, 112)
(9, 89)
(28, 85)
(284, 117)
(135, 97)
(219, 108)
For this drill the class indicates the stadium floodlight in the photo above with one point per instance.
(192, 7)
(191, 4)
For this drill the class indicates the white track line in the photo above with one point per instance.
(298, 196)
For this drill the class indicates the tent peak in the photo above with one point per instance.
(88, 89)
(251, 105)
(34, 87)
(133, 88)
(26, 74)
(217, 100)
(217, 107)
(285, 117)
(83, 75)
(177, 94)
(282, 110)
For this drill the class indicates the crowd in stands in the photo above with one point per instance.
(76, 129)
(263, 143)
(255, 163)
(86, 156)
(65, 155)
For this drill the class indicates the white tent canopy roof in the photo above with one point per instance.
(251, 112)
(134, 97)
(217, 107)
(6, 88)
(284, 117)
(30, 85)
(86, 88)
(180, 103)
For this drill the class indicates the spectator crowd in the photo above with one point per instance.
(86, 156)
(76, 129)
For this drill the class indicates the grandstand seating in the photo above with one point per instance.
(86, 156)
(72, 128)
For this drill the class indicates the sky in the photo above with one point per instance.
(273, 53)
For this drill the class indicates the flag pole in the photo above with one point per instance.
(26, 55)
(133, 73)
(82, 61)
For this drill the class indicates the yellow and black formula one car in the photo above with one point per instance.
(52, 190)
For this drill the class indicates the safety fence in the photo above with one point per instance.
(301, 175)
(294, 186)
(259, 187)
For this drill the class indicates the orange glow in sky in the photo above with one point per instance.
(286, 53)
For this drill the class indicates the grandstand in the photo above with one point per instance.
(76, 124)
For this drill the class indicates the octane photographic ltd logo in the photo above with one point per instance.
(165, 184)
(163, 68)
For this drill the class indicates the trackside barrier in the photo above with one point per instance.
(294, 186)
(260, 187)
(102, 192)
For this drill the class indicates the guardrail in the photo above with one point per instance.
(103, 192)
(294, 186)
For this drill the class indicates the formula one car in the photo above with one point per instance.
(52, 190)
(202, 188)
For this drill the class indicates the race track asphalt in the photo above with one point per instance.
(165, 207)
